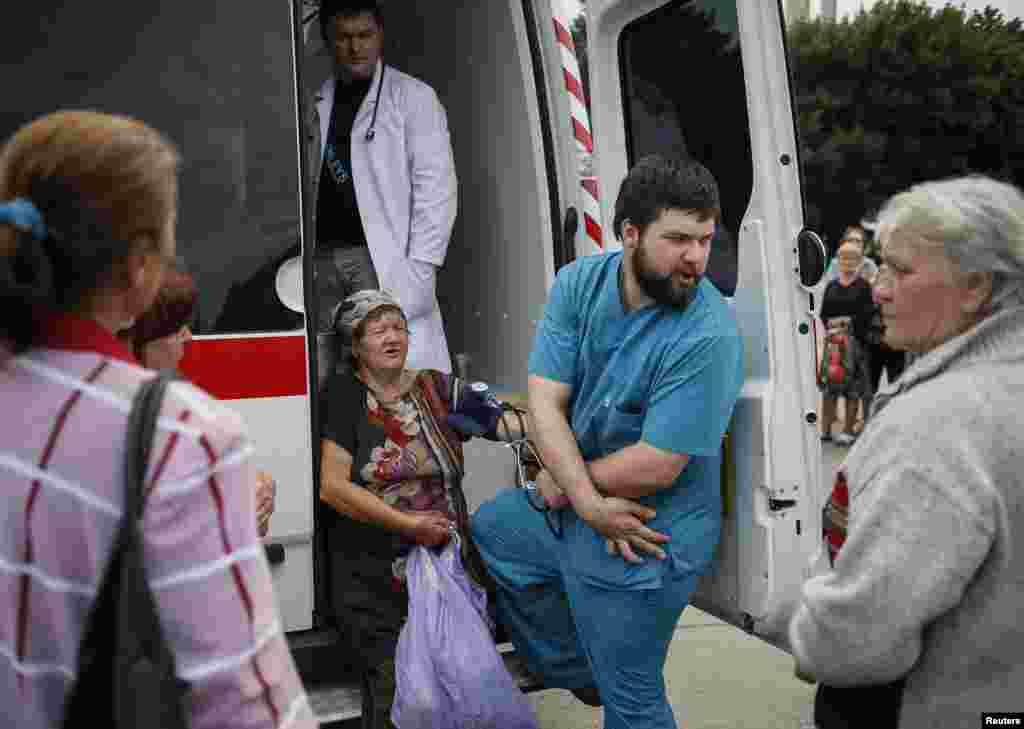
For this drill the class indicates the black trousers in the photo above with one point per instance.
(858, 707)
(378, 689)
(338, 273)
(892, 361)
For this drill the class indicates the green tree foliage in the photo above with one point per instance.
(900, 94)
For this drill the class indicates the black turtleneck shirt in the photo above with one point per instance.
(337, 213)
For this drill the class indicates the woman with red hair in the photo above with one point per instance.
(158, 338)
(159, 335)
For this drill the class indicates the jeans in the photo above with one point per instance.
(572, 634)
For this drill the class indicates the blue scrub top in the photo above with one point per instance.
(665, 376)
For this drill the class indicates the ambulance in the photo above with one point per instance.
(549, 102)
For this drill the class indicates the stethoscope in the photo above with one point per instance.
(371, 132)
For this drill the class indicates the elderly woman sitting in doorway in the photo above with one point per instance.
(926, 520)
(391, 473)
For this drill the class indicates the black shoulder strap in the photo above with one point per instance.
(126, 675)
(141, 429)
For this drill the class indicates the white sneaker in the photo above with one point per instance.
(845, 439)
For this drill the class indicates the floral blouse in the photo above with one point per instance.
(403, 470)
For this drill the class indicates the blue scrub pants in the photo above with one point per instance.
(572, 634)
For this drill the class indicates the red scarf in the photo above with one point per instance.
(834, 519)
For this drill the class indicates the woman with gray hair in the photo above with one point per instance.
(391, 478)
(925, 525)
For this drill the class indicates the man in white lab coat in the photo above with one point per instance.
(384, 186)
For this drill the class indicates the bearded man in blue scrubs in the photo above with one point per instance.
(634, 373)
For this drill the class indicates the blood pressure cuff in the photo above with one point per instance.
(475, 410)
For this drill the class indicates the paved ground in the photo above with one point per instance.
(718, 676)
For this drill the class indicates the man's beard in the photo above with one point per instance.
(661, 287)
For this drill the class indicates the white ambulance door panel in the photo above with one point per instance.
(243, 239)
(480, 59)
(223, 91)
(477, 57)
(708, 78)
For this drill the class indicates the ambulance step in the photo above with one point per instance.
(333, 704)
(517, 668)
(341, 704)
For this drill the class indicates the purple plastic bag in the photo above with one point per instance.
(449, 672)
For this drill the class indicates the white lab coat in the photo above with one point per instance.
(406, 190)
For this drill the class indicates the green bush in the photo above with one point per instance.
(900, 94)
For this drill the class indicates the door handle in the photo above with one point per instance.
(275, 554)
(811, 258)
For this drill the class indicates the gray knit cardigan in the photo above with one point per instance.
(930, 582)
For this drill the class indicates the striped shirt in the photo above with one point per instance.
(62, 434)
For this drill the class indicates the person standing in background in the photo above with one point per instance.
(881, 357)
(383, 177)
(868, 269)
(856, 235)
(846, 310)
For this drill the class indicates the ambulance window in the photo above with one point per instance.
(684, 94)
(240, 181)
(227, 103)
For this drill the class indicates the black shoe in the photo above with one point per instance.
(588, 695)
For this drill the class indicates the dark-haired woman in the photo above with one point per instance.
(158, 338)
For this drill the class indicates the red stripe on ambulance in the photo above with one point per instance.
(573, 86)
(580, 119)
(564, 36)
(239, 368)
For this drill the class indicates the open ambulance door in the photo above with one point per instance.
(708, 78)
(252, 346)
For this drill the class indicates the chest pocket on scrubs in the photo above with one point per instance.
(623, 409)
(623, 425)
